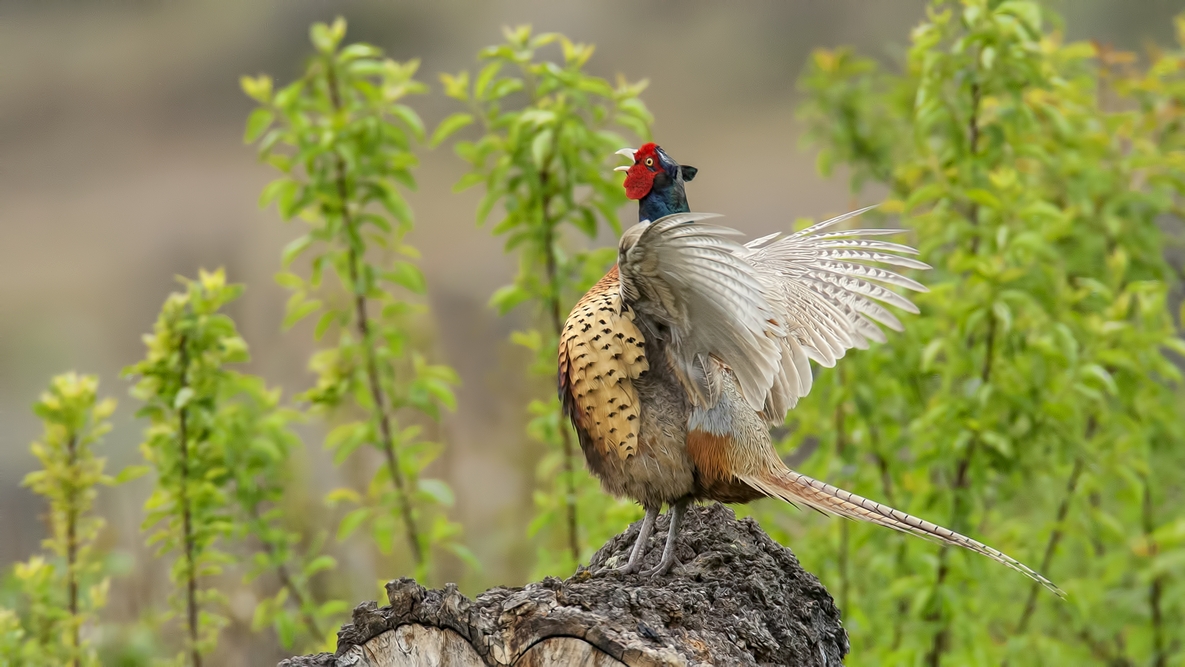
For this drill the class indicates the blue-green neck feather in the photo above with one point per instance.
(671, 198)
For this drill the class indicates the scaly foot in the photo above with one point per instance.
(668, 551)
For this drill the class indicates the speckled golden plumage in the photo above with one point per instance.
(601, 353)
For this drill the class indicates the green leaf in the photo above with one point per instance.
(182, 398)
(541, 147)
(410, 118)
(277, 189)
(438, 491)
(326, 38)
(294, 248)
(532, 340)
(286, 629)
(507, 297)
(289, 280)
(487, 204)
(323, 323)
(343, 494)
(395, 204)
(983, 197)
(129, 473)
(318, 564)
(257, 123)
(1099, 373)
(407, 275)
(258, 88)
(351, 521)
(469, 180)
(299, 309)
(482, 83)
(450, 126)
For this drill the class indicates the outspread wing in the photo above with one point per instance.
(827, 297)
(601, 353)
(691, 282)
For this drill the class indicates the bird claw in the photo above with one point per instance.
(627, 569)
(661, 570)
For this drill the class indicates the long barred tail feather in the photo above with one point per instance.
(796, 488)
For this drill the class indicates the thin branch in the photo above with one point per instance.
(841, 445)
(72, 555)
(1156, 588)
(362, 321)
(289, 584)
(191, 607)
(973, 144)
(1054, 537)
(557, 325)
(942, 637)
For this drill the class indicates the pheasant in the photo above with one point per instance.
(675, 365)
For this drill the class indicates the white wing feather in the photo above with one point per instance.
(827, 297)
(691, 278)
(765, 309)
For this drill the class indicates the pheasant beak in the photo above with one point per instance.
(625, 152)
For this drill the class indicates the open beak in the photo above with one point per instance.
(625, 152)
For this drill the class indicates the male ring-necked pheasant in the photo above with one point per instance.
(674, 366)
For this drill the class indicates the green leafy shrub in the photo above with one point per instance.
(61, 595)
(258, 444)
(219, 443)
(342, 135)
(548, 132)
(1035, 402)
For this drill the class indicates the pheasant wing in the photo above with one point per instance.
(693, 288)
(829, 297)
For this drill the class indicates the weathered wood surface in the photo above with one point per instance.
(738, 598)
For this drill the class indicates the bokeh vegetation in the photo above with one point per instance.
(342, 134)
(1034, 403)
(62, 592)
(549, 131)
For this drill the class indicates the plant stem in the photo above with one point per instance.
(288, 583)
(973, 144)
(841, 445)
(191, 608)
(557, 324)
(72, 554)
(886, 478)
(1156, 588)
(362, 321)
(1055, 537)
(942, 636)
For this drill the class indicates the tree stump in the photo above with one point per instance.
(737, 598)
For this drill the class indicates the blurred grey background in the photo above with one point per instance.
(121, 166)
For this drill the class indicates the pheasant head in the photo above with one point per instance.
(656, 181)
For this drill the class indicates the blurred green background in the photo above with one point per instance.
(121, 165)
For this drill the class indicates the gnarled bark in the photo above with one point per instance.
(738, 598)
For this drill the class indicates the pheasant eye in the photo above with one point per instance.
(649, 162)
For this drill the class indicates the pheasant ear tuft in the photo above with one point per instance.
(688, 172)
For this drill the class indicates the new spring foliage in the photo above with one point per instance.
(220, 443)
(61, 592)
(1035, 402)
(342, 135)
(545, 158)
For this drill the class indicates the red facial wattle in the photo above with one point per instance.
(638, 181)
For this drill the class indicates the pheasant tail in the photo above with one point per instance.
(793, 487)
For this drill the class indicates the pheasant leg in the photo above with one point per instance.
(678, 509)
(640, 544)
